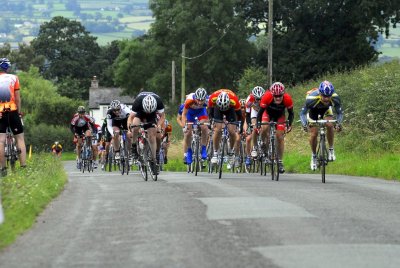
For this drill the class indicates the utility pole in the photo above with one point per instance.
(183, 74)
(270, 41)
(173, 82)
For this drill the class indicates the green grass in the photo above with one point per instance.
(26, 193)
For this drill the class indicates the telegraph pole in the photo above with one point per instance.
(270, 41)
(173, 82)
(183, 74)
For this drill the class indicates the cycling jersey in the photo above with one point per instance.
(180, 110)
(57, 148)
(275, 111)
(252, 103)
(316, 108)
(118, 120)
(234, 100)
(195, 109)
(79, 124)
(9, 83)
(139, 112)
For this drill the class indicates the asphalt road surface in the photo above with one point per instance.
(109, 220)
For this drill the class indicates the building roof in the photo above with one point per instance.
(103, 96)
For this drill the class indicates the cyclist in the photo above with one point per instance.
(252, 108)
(222, 103)
(56, 149)
(117, 120)
(179, 120)
(195, 106)
(10, 113)
(272, 108)
(319, 104)
(81, 125)
(106, 137)
(166, 139)
(145, 109)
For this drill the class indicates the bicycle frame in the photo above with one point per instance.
(11, 151)
(322, 151)
(196, 130)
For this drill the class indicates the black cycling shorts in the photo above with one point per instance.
(122, 123)
(12, 120)
(230, 115)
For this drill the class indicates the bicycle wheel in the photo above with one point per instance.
(149, 157)
(221, 158)
(322, 158)
(196, 157)
(274, 160)
(210, 151)
(161, 159)
(110, 160)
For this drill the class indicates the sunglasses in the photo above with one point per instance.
(278, 96)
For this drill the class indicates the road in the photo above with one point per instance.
(109, 220)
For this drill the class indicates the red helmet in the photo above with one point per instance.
(277, 88)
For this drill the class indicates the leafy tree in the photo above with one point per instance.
(313, 37)
(216, 41)
(69, 49)
(253, 76)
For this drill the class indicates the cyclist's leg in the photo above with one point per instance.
(2, 155)
(135, 133)
(18, 132)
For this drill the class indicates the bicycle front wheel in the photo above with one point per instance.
(322, 158)
(221, 158)
(196, 157)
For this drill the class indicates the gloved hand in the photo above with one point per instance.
(305, 128)
(339, 127)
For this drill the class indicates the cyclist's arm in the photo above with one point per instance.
(338, 110)
(184, 114)
(72, 128)
(248, 118)
(303, 115)
(161, 121)
(17, 97)
(290, 116)
(259, 115)
(179, 120)
(109, 127)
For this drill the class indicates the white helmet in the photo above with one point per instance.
(115, 105)
(149, 104)
(223, 101)
(258, 92)
(200, 93)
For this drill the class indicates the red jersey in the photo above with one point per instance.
(267, 102)
(234, 100)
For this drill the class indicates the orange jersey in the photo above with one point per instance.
(9, 83)
(232, 97)
(168, 128)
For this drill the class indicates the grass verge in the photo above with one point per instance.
(26, 192)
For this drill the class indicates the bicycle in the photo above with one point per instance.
(87, 155)
(11, 151)
(145, 155)
(271, 156)
(197, 161)
(322, 151)
(223, 149)
(124, 153)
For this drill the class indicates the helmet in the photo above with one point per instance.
(326, 88)
(258, 92)
(200, 93)
(115, 105)
(5, 64)
(277, 88)
(223, 101)
(81, 110)
(149, 104)
(242, 102)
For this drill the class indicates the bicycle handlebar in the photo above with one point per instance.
(322, 121)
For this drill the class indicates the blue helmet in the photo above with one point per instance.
(5, 64)
(326, 88)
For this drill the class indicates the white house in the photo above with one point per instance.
(100, 98)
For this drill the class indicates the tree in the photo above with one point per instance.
(216, 41)
(313, 37)
(69, 49)
(253, 76)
